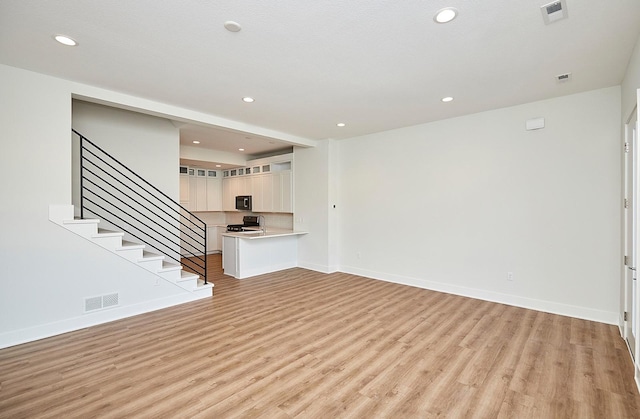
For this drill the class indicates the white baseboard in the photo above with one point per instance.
(496, 297)
(17, 337)
(325, 269)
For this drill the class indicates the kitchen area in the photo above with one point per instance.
(248, 212)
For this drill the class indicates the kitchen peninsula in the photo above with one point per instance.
(250, 253)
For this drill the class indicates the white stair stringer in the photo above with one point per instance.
(133, 252)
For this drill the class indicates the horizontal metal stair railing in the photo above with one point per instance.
(118, 196)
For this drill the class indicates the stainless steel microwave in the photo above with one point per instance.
(243, 202)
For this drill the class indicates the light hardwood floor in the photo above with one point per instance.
(303, 344)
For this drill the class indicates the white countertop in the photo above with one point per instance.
(271, 232)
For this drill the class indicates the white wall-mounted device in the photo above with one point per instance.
(535, 123)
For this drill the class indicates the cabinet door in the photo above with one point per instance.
(193, 191)
(229, 194)
(267, 192)
(201, 194)
(277, 192)
(244, 186)
(256, 192)
(286, 190)
(214, 194)
(184, 188)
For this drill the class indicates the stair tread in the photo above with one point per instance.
(127, 245)
(201, 284)
(187, 276)
(148, 256)
(81, 221)
(168, 266)
(108, 233)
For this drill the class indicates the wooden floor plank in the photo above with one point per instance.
(300, 344)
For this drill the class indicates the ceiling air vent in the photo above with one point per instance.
(554, 11)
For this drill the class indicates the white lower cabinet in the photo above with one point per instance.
(243, 257)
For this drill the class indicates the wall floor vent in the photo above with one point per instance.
(554, 11)
(103, 301)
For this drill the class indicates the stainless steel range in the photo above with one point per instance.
(249, 222)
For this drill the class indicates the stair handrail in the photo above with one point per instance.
(189, 257)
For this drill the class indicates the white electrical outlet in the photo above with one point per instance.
(509, 276)
(358, 255)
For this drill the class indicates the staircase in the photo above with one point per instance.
(113, 241)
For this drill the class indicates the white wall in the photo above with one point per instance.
(314, 193)
(630, 98)
(631, 83)
(46, 271)
(456, 204)
(148, 145)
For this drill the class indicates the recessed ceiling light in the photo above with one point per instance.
(218, 165)
(232, 26)
(447, 99)
(196, 142)
(341, 124)
(248, 99)
(445, 15)
(65, 40)
(241, 149)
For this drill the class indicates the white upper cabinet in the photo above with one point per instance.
(229, 192)
(282, 191)
(184, 188)
(214, 193)
(257, 194)
(267, 192)
(193, 190)
(286, 186)
(200, 189)
(269, 181)
(201, 194)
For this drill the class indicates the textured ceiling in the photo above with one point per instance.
(374, 65)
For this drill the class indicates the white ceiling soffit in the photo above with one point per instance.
(554, 11)
(309, 65)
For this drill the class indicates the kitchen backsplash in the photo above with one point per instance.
(212, 218)
(274, 220)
